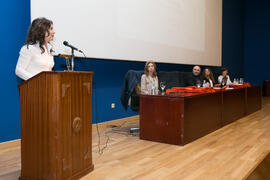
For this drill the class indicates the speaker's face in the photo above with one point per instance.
(49, 36)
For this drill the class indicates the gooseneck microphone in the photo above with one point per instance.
(72, 47)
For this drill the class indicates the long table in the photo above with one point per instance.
(181, 118)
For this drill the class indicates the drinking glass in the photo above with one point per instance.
(241, 81)
(162, 86)
(198, 84)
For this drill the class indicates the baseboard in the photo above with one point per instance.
(11, 142)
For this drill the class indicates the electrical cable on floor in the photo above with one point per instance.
(117, 129)
(114, 128)
(100, 150)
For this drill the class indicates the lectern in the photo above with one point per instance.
(56, 126)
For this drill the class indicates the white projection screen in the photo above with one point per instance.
(169, 31)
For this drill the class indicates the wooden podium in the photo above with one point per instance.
(56, 126)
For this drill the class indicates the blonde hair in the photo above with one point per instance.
(146, 68)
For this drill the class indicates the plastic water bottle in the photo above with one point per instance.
(204, 83)
(153, 90)
(228, 84)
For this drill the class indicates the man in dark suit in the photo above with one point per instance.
(194, 78)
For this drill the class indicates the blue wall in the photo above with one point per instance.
(257, 40)
(15, 20)
(232, 37)
(109, 74)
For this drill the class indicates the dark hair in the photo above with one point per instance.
(197, 66)
(37, 32)
(146, 68)
(224, 69)
(210, 75)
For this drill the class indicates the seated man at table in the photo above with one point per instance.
(195, 78)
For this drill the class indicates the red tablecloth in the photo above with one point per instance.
(194, 89)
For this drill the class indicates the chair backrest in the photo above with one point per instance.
(132, 78)
(173, 78)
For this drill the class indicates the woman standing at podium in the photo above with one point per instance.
(36, 55)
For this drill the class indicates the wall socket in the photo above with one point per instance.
(113, 105)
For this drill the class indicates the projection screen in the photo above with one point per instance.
(169, 31)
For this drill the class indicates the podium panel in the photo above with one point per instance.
(56, 125)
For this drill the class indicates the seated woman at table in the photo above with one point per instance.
(224, 77)
(208, 77)
(149, 80)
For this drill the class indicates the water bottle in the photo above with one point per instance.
(153, 89)
(204, 83)
(228, 84)
(222, 83)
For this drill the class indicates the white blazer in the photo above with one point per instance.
(31, 61)
(220, 78)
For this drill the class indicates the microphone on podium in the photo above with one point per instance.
(72, 47)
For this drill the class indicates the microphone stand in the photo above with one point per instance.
(72, 59)
(67, 57)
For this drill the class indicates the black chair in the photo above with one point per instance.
(128, 94)
(173, 78)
